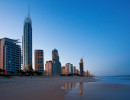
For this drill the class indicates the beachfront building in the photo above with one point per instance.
(39, 61)
(68, 68)
(71, 69)
(10, 56)
(77, 71)
(81, 67)
(27, 44)
(48, 68)
(74, 70)
(63, 70)
(56, 63)
(87, 73)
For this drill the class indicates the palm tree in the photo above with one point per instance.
(30, 72)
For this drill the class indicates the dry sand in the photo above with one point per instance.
(36, 88)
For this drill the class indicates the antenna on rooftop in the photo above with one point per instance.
(28, 8)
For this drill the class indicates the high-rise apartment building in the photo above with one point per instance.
(69, 68)
(39, 61)
(27, 44)
(56, 63)
(48, 68)
(10, 55)
(74, 70)
(81, 67)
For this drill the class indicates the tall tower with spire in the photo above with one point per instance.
(27, 42)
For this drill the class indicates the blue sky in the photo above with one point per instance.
(99, 30)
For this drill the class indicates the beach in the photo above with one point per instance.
(37, 88)
(64, 88)
(105, 88)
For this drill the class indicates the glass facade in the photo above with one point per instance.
(27, 44)
(56, 63)
(81, 67)
(10, 55)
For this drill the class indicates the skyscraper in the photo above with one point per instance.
(56, 63)
(81, 67)
(10, 55)
(27, 44)
(39, 61)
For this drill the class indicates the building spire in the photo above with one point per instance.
(28, 8)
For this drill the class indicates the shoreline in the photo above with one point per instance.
(37, 88)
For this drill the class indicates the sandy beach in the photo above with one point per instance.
(36, 88)
(64, 88)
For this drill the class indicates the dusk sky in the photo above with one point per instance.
(97, 30)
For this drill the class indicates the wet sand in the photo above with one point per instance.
(36, 88)
(100, 90)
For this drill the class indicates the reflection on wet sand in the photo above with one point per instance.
(80, 88)
(69, 86)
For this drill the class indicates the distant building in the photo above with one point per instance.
(87, 73)
(39, 60)
(74, 70)
(10, 55)
(77, 71)
(81, 67)
(49, 68)
(56, 63)
(63, 70)
(69, 68)
(27, 44)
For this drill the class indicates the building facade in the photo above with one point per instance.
(63, 70)
(56, 62)
(49, 68)
(74, 70)
(69, 68)
(27, 44)
(81, 67)
(10, 55)
(39, 61)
